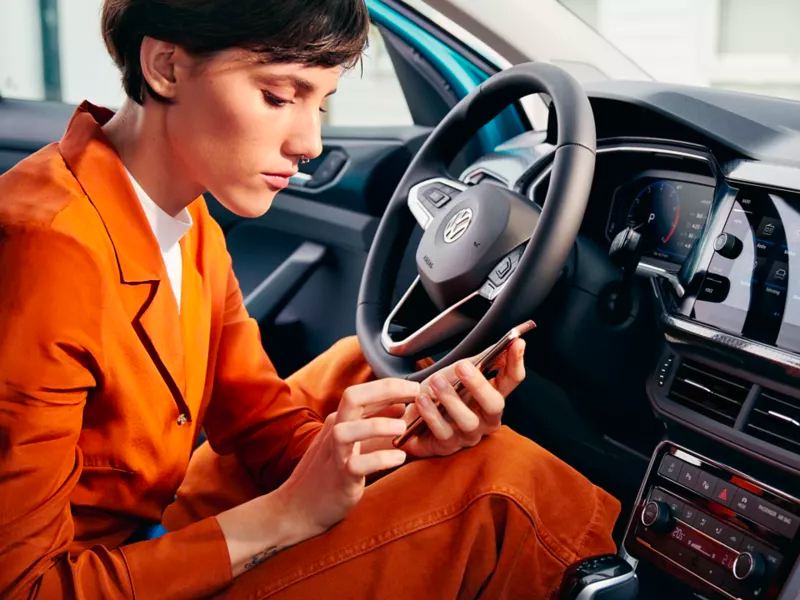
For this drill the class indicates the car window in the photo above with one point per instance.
(53, 50)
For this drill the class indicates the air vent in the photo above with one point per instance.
(715, 394)
(776, 419)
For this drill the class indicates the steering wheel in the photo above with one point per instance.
(487, 257)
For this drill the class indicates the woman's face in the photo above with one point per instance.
(239, 126)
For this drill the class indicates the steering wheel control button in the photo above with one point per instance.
(436, 196)
(658, 517)
(503, 270)
(728, 245)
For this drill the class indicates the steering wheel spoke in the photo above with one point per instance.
(403, 335)
(427, 198)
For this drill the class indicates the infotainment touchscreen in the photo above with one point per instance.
(752, 287)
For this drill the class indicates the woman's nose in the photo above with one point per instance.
(306, 137)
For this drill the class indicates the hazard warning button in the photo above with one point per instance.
(724, 492)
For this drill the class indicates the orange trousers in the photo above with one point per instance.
(500, 520)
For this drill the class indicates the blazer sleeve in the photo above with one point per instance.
(252, 411)
(51, 359)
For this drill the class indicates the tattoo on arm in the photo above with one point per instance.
(261, 557)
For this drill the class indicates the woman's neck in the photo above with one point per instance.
(139, 136)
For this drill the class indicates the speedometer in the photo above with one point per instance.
(669, 214)
(656, 213)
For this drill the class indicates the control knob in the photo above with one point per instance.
(750, 567)
(658, 517)
(728, 245)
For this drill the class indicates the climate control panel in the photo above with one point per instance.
(722, 532)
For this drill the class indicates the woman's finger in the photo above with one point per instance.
(361, 465)
(393, 411)
(460, 414)
(374, 395)
(490, 401)
(438, 425)
(349, 432)
(513, 371)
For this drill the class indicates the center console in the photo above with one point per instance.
(720, 530)
(727, 386)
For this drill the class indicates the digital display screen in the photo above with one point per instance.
(668, 213)
(757, 293)
(704, 546)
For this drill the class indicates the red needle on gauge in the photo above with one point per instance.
(675, 220)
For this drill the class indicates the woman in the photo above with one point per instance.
(124, 333)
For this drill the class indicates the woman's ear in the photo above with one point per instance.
(157, 59)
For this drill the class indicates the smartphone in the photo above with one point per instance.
(485, 362)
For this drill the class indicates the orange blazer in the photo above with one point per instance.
(104, 383)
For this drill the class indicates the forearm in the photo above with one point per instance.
(260, 528)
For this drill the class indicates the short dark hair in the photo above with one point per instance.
(323, 33)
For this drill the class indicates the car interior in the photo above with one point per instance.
(650, 230)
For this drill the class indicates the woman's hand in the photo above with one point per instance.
(465, 421)
(329, 480)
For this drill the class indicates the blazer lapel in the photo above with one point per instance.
(145, 284)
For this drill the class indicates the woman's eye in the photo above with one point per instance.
(274, 100)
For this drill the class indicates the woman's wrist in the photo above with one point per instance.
(259, 529)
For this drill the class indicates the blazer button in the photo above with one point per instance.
(181, 419)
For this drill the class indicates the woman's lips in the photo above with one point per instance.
(276, 181)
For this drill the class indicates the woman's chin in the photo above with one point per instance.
(250, 206)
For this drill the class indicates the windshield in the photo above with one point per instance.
(731, 44)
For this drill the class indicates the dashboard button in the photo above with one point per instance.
(743, 502)
(659, 495)
(715, 288)
(724, 492)
(670, 467)
(732, 537)
(688, 514)
(705, 484)
(689, 475)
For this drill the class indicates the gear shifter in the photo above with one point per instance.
(606, 577)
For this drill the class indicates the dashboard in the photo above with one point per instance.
(719, 260)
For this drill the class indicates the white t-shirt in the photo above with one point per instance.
(168, 231)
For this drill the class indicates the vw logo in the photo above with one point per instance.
(457, 225)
